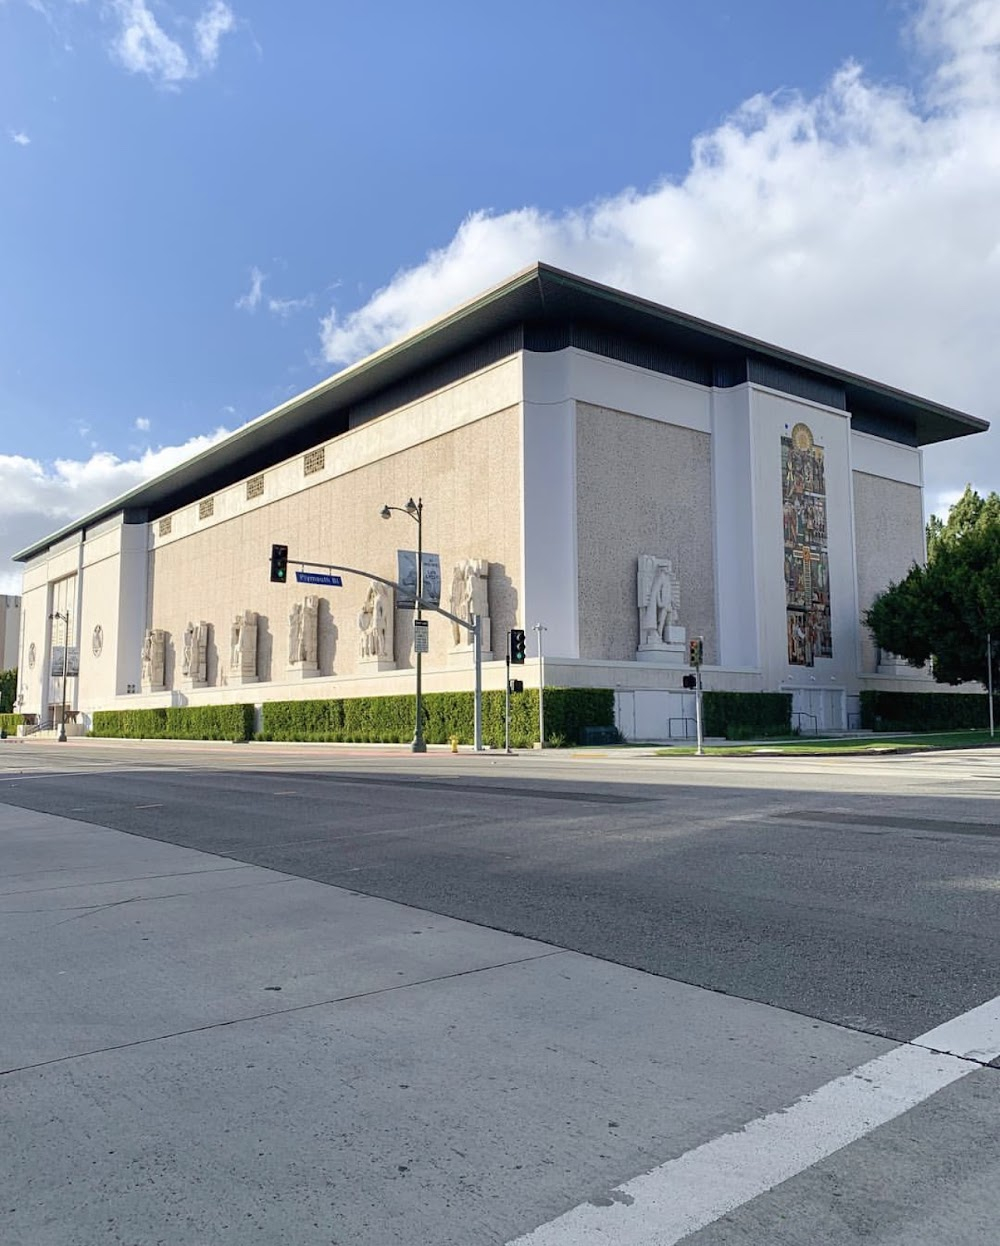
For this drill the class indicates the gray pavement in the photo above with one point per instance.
(195, 1053)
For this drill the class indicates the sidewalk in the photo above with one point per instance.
(194, 1050)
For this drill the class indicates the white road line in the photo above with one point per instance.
(664, 1206)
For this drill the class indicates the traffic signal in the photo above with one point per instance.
(695, 652)
(517, 685)
(279, 564)
(517, 645)
(690, 681)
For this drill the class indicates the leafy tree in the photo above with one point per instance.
(8, 689)
(941, 613)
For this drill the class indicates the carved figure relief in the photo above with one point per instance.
(659, 601)
(470, 596)
(153, 650)
(243, 645)
(303, 633)
(376, 622)
(194, 660)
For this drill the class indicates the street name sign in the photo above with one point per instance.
(311, 577)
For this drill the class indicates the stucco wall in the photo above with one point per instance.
(469, 481)
(643, 487)
(889, 532)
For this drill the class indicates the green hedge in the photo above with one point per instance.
(10, 722)
(177, 722)
(748, 715)
(926, 711)
(389, 720)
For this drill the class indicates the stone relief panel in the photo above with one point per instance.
(243, 648)
(470, 596)
(375, 625)
(153, 659)
(658, 596)
(194, 659)
(303, 637)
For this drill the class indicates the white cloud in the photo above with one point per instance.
(37, 498)
(287, 307)
(142, 46)
(142, 424)
(858, 226)
(20, 138)
(216, 21)
(251, 300)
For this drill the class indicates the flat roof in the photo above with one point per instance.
(537, 295)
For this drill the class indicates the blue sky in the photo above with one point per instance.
(207, 207)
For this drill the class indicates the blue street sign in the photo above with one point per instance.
(310, 577)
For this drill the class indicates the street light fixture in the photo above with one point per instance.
(64, 615)
(415, 510)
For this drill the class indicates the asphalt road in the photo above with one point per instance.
(858, 892)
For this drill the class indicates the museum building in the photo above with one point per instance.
(622, 475)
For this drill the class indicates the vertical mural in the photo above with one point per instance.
(807, 567)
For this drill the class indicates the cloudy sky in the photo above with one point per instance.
(209, 205)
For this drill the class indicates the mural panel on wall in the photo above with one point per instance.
(807, 566)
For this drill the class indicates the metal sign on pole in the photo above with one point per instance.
(421, 636)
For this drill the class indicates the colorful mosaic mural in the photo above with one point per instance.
(807, 566)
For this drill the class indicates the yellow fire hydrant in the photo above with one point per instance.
(453, 741)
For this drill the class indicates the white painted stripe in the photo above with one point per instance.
(678, 1198)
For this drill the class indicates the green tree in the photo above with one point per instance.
(942, 612)
(8, 690)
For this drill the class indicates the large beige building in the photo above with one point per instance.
(622, 474)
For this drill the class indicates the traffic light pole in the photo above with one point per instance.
(700, 752)
(506, 709)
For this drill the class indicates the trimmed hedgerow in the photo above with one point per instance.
(10, 722)
(176, 722)
(748, 715)
(389, 720)
(925, 711)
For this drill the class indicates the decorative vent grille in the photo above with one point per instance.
(166, 525)
(314, 461)
(206, 508)
(255, 487)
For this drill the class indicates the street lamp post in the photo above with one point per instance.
(64, 615)
(415, 510)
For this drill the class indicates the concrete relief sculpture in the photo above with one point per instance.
(375, 623)
(194, 658)
(153, 660)
(243, 648)
(303, 638)
(661, 637)
(470, 596)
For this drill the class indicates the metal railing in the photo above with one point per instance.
(681, 719)
(800, 714)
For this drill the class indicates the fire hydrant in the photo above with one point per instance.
(453, 741)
